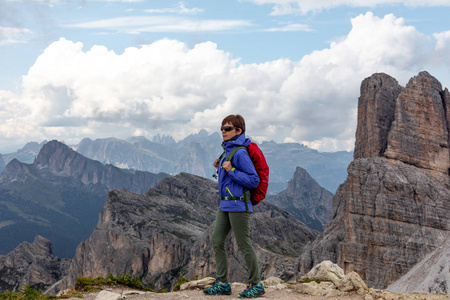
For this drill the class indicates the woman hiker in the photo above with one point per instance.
(235, 180)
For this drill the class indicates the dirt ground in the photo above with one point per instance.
(271, 293)
(198, 295)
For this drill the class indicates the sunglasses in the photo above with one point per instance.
(228, 128)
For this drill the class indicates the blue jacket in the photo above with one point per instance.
(241, 178)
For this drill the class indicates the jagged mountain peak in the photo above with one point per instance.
(60, 158)
(305, 199)
(301, 182)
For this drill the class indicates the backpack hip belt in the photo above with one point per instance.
(244, 197)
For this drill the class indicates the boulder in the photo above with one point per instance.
(325, 271)
(352, 282)
(198, 284)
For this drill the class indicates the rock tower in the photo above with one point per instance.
(393, 209)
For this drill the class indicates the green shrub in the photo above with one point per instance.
(180, 281)
(127, 279)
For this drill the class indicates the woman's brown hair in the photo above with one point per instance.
(237, 121)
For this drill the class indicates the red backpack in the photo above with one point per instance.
(261, 167)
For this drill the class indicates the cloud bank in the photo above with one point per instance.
(168, 88)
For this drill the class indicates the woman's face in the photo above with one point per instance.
(228, 135)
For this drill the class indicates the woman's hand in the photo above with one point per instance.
(216, 164)
(227, 166)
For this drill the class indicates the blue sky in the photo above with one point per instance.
(292, 68)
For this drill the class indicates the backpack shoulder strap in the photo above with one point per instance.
(232, 152)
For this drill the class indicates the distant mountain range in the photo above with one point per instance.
(195, 154)
(59, 196)
(62, 192)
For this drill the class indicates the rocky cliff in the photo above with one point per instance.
(166, 233)
(59, 196)
(393, 208)
(32, 264)
(305, 199)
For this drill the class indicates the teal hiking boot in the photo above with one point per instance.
(219, 289)
(253, 291)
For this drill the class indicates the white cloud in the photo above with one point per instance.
(168, 88)
(179, 9)
(40, 2)
(291, 27)
(138, 24)
(14, 35)
(283, 7)
(126, 1)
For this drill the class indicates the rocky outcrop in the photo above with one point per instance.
(305, 199)
(393, 208)
(167, 232)
(32, 264)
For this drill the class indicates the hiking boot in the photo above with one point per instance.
(219, 289)
(253, 291)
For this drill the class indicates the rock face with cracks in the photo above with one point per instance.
(392, 211)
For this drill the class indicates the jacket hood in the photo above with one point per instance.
(238, 140)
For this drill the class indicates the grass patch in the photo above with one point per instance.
(308, 280)
(89, 284)
(28, 293)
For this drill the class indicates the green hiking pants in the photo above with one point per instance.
(240, 223)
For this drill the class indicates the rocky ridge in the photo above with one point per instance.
(167, 232)
(393, 208)
(305, 199)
